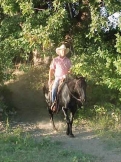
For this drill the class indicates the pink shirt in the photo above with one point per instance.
(61, 66)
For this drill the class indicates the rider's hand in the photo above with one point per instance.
(64, 76)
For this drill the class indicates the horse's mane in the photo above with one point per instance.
(74, 77)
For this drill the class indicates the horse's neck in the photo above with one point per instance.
(71, 85)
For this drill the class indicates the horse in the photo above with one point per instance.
(71, 95)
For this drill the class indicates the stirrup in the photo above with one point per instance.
(53, 106)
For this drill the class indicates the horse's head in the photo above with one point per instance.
(80, 89)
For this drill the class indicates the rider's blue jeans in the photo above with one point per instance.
(54, 89)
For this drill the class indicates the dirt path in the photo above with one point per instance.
(33, 117)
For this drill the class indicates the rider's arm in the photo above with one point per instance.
(51, 73)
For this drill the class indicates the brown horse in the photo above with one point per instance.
(71, 95)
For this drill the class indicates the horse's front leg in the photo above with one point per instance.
(65, 111)
(51, 119)
(70, 125)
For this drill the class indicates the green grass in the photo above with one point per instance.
(16, 146)
(112, 139)
(105, 121)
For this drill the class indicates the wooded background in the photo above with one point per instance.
(29, 28)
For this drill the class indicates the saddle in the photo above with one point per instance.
(55, 106)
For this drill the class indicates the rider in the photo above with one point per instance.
(59, 67)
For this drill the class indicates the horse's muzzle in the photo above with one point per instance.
(82, 100)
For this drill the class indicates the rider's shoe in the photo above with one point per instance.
(53, 107)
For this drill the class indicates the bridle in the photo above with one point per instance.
(78, 99)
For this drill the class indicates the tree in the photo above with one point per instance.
(27, 25)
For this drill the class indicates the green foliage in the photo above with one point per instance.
(10, 7)
(23, 30)
(101, 117)
(97, 55)
(118, 43)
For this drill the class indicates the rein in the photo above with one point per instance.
(78, 99)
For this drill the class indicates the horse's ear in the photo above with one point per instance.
(82, 77)
(75, 76)
(79, 77)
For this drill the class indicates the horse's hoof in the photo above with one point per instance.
(55, 130)
(71, 135)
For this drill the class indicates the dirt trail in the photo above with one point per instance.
(33, 117)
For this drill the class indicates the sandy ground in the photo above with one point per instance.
(33, 117)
